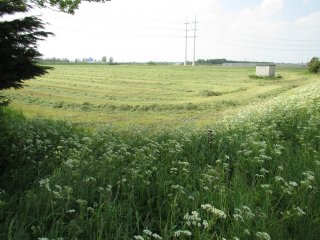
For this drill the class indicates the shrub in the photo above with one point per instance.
(314, 65)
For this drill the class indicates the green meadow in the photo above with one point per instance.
(127, 95)
(78, 159)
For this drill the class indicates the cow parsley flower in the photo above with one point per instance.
(147, 232)
(263, 236)
(156, 236)
(182, 232)
(299, 211)
(238, 217)
(216, 212)
(71, 211)
(138, 237)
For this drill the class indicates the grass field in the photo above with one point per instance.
(255, 175)
(128, 95)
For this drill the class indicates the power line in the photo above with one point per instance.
(254, 36)
(186, 43)
(250, 41)
(261, 41)
(227, 41)
(194, 40)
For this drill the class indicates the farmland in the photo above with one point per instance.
(148, 95)
(254, 175)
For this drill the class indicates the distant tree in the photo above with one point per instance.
(104, 59)
(151, 63)
(314, 65)
(110, 60)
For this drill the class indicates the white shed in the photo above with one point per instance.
(265, 70)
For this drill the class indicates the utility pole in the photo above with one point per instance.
(186, 44)
(194, 41)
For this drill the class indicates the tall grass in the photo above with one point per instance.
(251, 177)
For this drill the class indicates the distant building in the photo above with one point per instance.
(90, 60)
(265, 70)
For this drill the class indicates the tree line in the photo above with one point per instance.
(104, 59)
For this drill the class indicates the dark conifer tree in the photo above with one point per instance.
(18, 45)
(19, 37)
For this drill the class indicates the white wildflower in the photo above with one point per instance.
(182, 232)
(71, 162)
(264, 171)
(45, 182)
(246, 232)
(178, 187)
(90, 179)
(263, 236)
(309, 175)
(156, 236)
(81, 202)
(206, 188)
(147, 232)
(216, 212)
(265, 186)
(238, 211)
(138, 237)
(109, 188)
(90, 209)
(306, 184)
(185, 164)
(192, 219)
(56, 194)
(247, 213)
(68, 189)
(71, 211)
(293, 184)
(238, 217)
(205, 224)
(299, 211)
(279, 179)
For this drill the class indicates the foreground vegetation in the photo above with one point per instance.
(255, 176)
(175, 95)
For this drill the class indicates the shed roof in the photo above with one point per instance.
(265, 64)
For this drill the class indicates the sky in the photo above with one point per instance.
(150, 30)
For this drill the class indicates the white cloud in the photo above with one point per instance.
(265, 9)
(312, 20)
(259, 20)
(270, 7)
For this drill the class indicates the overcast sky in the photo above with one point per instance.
(153, 30)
